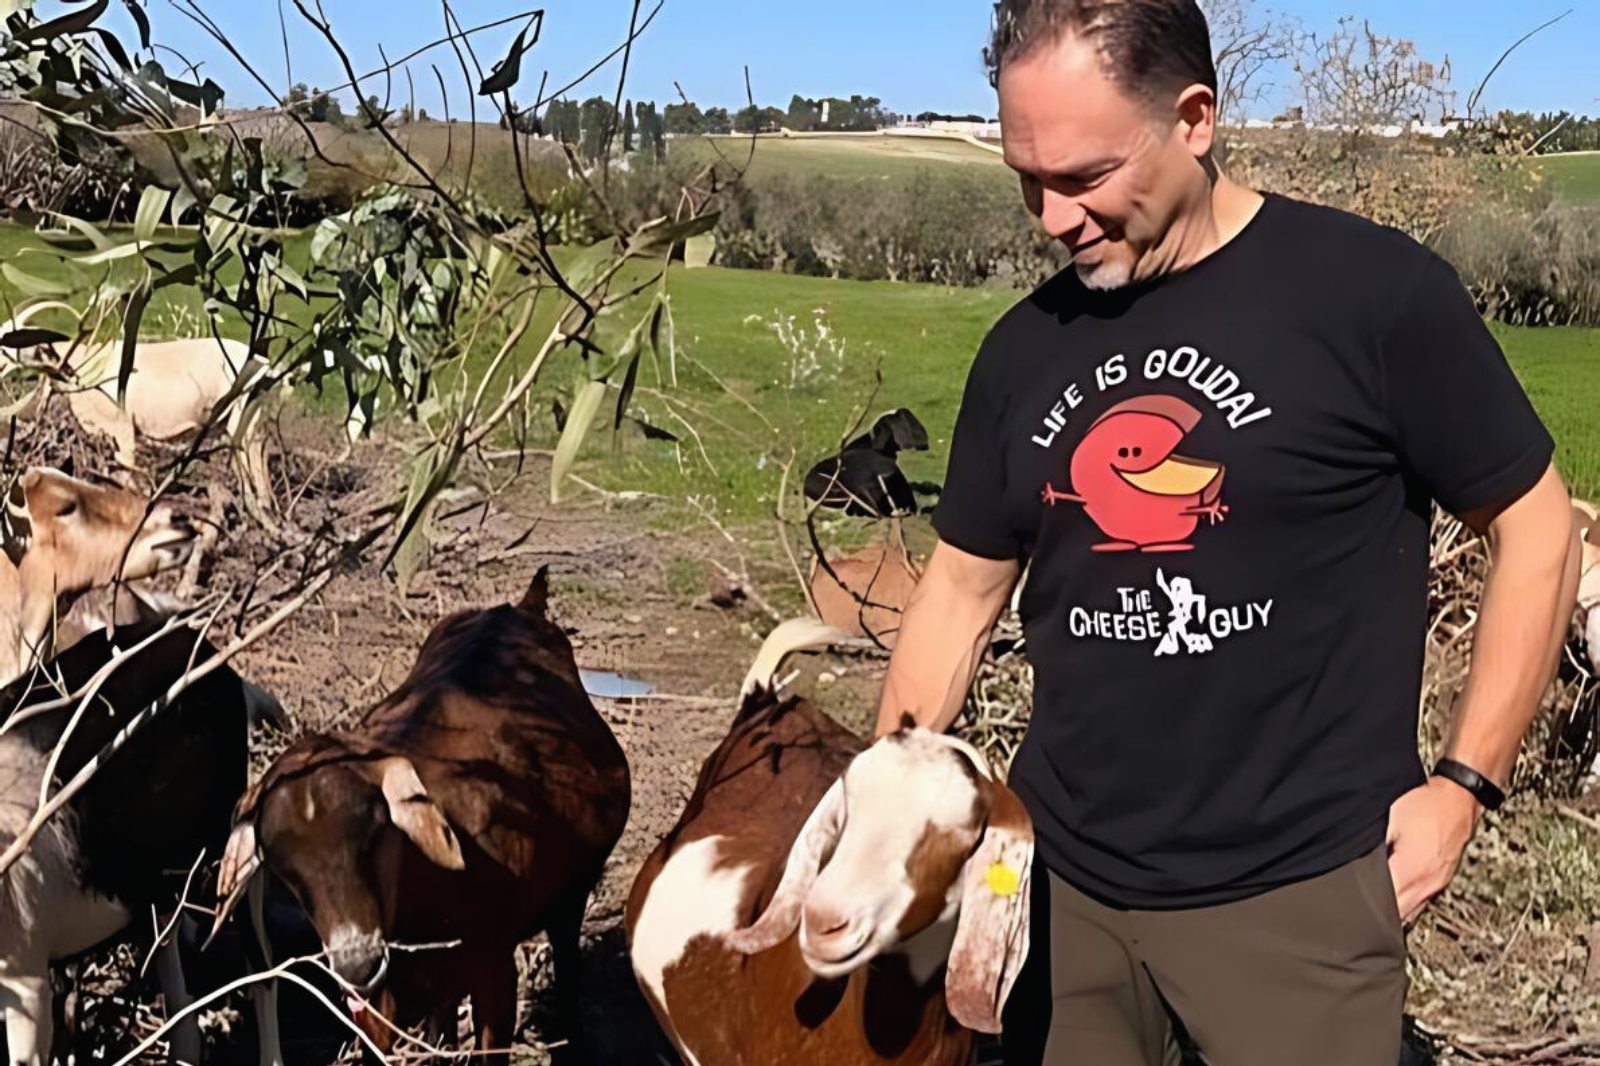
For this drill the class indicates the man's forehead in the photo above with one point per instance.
(1061, 113)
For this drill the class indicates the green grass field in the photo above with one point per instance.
(747, 398)
(1576, 176)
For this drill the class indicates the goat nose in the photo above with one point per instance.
(832, 936)
(832, 927)
(359, 966)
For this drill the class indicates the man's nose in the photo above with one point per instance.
(1061, 215)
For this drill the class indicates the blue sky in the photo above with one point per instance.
(914, 54)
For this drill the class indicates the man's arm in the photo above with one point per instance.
(1526, 608)
(943, 634)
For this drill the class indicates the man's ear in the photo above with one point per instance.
(1197, 119)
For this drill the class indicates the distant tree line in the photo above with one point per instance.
(1553, 131)
(935, 116)
(832, 113)
(594, 127)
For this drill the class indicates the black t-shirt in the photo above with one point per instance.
(1222, 481)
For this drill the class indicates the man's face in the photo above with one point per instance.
(1103, 174)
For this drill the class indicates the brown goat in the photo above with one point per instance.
(64, 536)
(804, 855)
(866, 593)
(477, 803)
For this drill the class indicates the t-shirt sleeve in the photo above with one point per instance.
(971, 513)
(1462, 422)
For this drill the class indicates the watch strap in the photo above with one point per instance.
(1485, 791)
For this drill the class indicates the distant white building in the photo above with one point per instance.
(1421, 129)
(983, 131)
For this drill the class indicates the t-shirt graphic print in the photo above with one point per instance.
(1220, 482)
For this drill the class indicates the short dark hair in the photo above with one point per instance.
(1150, 48)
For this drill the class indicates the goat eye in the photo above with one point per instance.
(71, 508)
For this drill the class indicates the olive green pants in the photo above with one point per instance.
(1311, 973)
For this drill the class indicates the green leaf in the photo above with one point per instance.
(31, 338)
(629, 350)
(661, 234)
(121, 251)
(411, 554)
(698, 250)
(584, 407)
(152, 205)
(32, 285)
(625, 395)
(138, 300)
(328, 230)
(114, 49)
(590, 265)
(290, 277)
(506, 72)
(98, 239)
(206, 96)
(142, 20)
(182, 200)
(663, 337)
(433, 472)
(76, 22)
(187, 274)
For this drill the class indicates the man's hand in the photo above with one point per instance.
(1428, 830)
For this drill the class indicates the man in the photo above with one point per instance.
(1215, 440)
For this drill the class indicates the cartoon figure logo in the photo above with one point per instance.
(1187, 606)
(1131, 484)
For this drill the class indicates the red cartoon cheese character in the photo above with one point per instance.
(1131, 484)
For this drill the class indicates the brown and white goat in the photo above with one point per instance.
(476, 804)
(63, 536)
(822, 901)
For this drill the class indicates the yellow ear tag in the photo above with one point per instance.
(1003, 880)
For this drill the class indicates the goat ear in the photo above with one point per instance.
(535, 600)
(812, 847)
(240, 861)
(991, 940)
(414, 813)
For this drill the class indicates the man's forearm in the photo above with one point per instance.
(1522, 626)
(942, 638)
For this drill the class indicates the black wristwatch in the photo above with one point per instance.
(1483, 790)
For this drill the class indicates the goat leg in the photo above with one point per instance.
(564, 929)
(264, 994)
(494, 1000)
(186, 1044)
(28, 1016)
